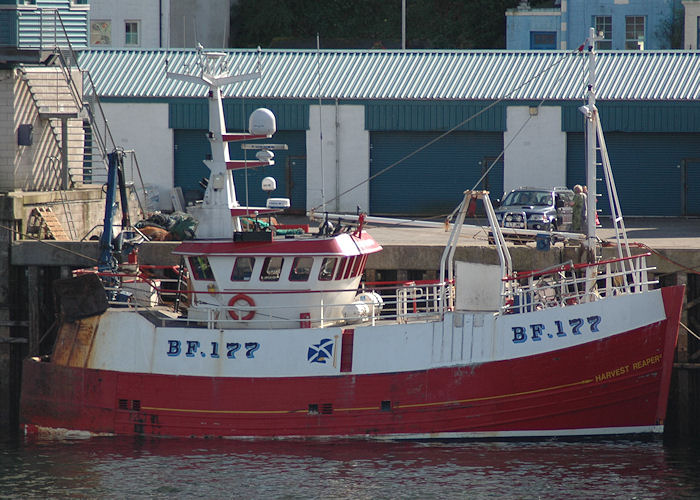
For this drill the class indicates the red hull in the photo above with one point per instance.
(615, 385)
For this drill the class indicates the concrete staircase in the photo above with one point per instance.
(54, 98)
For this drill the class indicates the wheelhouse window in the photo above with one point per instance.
(603, 25)
(360, 261)
(271, 269)
(350, 267)
(341, 268)
(201, 270)
(301, 269)
(243, 269)
(327, 268)
(634, 32)
(131, 33)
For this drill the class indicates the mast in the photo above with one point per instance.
(591, 146)
(214, 215)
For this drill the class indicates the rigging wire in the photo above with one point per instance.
(320, 122)
(450, 216)
(667, 259)
(46, 242)
(460, 124)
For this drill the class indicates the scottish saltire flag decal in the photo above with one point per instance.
(321, 352)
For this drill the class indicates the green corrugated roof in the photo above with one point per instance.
(411, 74)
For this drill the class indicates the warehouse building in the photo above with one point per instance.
(403, 133)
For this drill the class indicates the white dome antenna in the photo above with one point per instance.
(262, 122)
(265, 155)
(269, 184)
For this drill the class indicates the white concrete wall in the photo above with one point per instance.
(203, 21)
(345, 158)
(536, 152)
(182, 23)
(146, 12)
(144, 128)
(692, 13)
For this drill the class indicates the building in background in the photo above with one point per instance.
(379, 138)
(150, 24)
(28, 27)
(625, 24)
(691, 39)
(376, 107)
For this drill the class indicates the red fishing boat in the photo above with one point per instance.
(282, 338)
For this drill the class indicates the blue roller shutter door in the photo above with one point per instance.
(289, 170)
(432, 181)
(646, 167)
(191, 149)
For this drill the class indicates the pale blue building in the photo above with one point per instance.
(625, 24)
(37, 24)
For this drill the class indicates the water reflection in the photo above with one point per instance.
(160, 468)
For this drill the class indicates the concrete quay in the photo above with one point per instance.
(674, 243)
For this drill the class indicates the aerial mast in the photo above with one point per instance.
(215, 214)
(592, 146)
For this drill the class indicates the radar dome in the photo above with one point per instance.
(262, 122)
(264, 155)
(269, 184)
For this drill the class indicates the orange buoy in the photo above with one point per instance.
(241, 298)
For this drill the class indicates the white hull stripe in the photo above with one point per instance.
(51, 433)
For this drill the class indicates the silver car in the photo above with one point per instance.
(547, 209)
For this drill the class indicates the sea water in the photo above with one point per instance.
(200, 468)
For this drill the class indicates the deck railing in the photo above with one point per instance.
(399, 302)
(570, 283)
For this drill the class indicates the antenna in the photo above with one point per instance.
(226, 23)
(320, 121)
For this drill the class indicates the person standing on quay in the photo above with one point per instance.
(576, 216)
(584, 209)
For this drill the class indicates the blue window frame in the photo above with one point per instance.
(543, 40)
(635, 31)
(603, 24)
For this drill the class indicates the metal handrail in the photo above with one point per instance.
(402, 302)
(88, 100)
(570, 284)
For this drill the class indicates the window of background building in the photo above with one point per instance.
(603, 24)
(697, 39)
(101, 32)
(543, 40)
(634, 32)
(131, 30)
